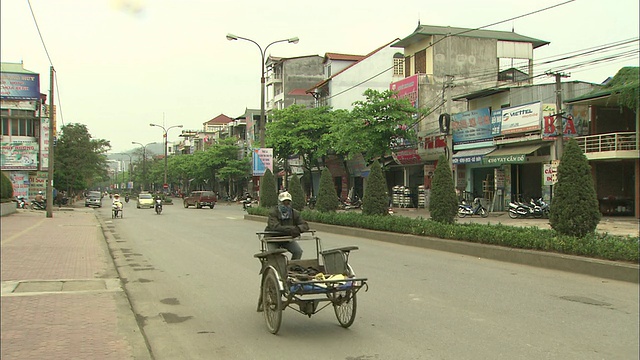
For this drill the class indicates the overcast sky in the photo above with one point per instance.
(122, 64)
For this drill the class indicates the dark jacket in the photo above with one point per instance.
(291, 224)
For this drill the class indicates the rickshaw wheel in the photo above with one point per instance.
(345, 305)
(272, 302)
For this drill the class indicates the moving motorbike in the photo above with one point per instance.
(246, 203)
(158, 206)
(37, 205)
(465, 209)
(116, 210)
(126, 198)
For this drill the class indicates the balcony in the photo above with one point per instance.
(620, 145)
(274, 78)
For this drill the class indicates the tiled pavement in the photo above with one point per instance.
(61, 296)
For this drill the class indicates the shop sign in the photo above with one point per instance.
(516, 119)
(506, 159)
(407, 157)
(19, 155)
(550, 173)
(471, 126)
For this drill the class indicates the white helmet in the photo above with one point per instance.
(284, 196)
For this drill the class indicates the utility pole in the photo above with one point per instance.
(52, 128)
(558, 123)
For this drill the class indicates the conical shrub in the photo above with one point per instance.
(376, 198)
(443, 204)
(574, 205)
(6, 188)
(268, 190)
(297, 194)
(327, 198)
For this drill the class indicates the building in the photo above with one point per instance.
(289, 78)
(446, 62)
(612, 145)
(25, 130)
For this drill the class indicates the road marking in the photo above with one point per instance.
(13, 237)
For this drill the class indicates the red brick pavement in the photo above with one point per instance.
(79, 316)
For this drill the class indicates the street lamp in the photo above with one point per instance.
(144, 162)
(293, 40)
(165, 148)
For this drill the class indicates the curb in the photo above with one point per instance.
(580, 265)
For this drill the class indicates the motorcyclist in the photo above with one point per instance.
(126, 198)
(285, 220)
(157, 202)
(246, 202)
(39, 198)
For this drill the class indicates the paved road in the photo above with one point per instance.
(193, 284)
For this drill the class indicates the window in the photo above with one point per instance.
(421, 62)
(398, 64)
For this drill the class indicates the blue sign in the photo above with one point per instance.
(471, 126)
(19, 86)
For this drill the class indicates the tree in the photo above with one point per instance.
(268, 190)
(297, 195)
(78, 158)
(574, 207)
(443, 204)
(297, 130)
(375, 126)
(327, 197)
(376, 199)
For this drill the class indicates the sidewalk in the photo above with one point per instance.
(614, 225)
(61, 295)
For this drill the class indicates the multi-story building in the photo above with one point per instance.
(446, 62)
(25, 130)
(288, 78)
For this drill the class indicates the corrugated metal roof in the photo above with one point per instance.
(336, 56)
(428, 30)
(14, 68)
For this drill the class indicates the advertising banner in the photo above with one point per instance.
(516, 119)
(407, 88)
(471, 126)
(37, 182)
(262, 160)
(575, 121)
(44, 144)
(19, 155)
(407, 157)
(20, 182)
(19, 86)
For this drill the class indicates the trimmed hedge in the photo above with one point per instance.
(600, 246)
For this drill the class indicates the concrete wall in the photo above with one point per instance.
(7, 208)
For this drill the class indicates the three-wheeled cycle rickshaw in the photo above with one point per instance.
(306, 283)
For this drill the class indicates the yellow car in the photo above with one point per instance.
(145, 200)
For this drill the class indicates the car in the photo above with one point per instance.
(93, 199)
(200, 199)
(145, 200)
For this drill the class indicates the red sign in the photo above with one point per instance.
(166, 186)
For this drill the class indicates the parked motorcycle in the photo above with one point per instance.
(21, 202)
(465, 209)
(351, 204)
(158, 206)
(534, 208)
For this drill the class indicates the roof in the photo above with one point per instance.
(17, 68)
(627, 80)
(278, 59)
(343, 70)
(428, 30)
(336, 56)
(299, 92)
(496, 90)
(219, 120)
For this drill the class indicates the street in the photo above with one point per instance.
(193, 283)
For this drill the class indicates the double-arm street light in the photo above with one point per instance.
(144, 162)
(165, 148)
(293, 40)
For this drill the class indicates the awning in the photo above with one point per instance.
(510, 154)
(471, 156)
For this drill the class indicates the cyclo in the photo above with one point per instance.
(327, 278)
